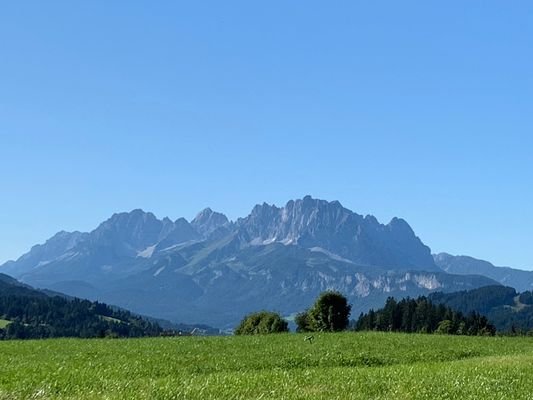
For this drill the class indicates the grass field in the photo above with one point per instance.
(335, 366)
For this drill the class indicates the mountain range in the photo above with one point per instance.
(212, 270)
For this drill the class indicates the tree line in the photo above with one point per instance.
(422, 316)
(331, 311)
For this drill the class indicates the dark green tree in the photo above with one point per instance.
(329, 313)
(262, 322)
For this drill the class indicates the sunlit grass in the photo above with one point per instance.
(343, 366)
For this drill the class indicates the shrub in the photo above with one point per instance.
(262, 322)
(445, 327)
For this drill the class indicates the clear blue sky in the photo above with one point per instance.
(422, 110)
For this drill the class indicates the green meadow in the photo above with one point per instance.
(283, 366)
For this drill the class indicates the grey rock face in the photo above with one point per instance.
(314, 223)
(131, 232)
(208, 222)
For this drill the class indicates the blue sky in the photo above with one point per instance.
(422, 110)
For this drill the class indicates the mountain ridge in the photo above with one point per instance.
(213, 270)
(519, 279)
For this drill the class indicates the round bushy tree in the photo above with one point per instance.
(262, 322)
(329, 313)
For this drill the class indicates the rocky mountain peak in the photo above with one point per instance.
(58, 244)
(401, 227)
(208, 221)
(320, 224)
(442, 257)
(134, 220)
(132, 231)
(268, 223)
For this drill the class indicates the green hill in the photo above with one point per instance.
(503, 306)
(27, 313)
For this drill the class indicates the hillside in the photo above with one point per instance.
(503, 306)
(27, 313)
(212, 270)
(463, 265)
